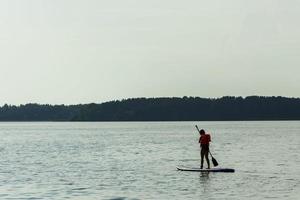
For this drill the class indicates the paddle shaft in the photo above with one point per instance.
(197, 128)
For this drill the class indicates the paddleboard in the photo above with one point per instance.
(195, 169)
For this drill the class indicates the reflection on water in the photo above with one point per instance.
(204, 181)
(138, 160)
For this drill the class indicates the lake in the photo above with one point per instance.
(137, 160)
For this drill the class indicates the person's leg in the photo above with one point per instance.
(207, 160)
(202, 157)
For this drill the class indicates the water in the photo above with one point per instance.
(138, 160)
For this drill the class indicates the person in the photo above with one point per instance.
(204, 141)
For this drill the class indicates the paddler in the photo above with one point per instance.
(204, 141)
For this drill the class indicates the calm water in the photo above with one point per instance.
(138, 160)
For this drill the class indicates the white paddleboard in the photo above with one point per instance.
(197, 169)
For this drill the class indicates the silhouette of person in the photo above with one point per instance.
(204, 141)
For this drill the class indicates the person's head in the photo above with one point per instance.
(202, 132)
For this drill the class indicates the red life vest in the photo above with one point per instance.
(204, 139)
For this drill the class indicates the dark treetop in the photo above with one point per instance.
(161, 109)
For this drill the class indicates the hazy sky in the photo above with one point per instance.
(80, 51)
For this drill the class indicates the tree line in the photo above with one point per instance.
(161, 109)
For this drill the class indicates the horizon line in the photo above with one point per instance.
(158, 97)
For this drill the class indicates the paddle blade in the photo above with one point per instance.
(214, 161)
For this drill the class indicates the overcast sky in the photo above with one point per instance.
(80, 51)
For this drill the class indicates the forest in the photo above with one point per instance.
(161, 109)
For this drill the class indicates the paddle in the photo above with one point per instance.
(214, 161)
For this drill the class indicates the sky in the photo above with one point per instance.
(83, 51)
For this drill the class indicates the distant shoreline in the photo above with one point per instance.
(173, 109)
(149, 121)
